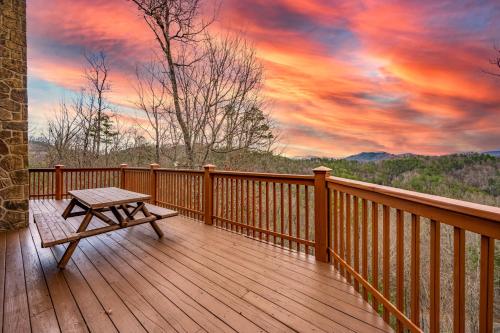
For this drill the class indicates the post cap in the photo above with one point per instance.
(322, 169)
(123, 165)
(57, 166)
(154, 165)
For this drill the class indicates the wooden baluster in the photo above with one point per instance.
(43, 185)
(306, 198)
(290, 213)
(267, 210)
(253, 208)
(486, 284)
(228, 202)
(242, 196)
(274, 212)
(37, 177)
(282, 211)
(336, 238)
(415, 269)
(231, 217)
(218, 208)
(434, 276)
(297, 219)
(225, 198)
(458, 280)
(260, 208)
(400, 263)
(348, 233)
(248, 206)
(356, 240)
(375, 251)
(52, 191)
(238, 204)
(364, 242)
(386, 259)
(341, 231)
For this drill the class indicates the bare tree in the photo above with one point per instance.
(175, 22)
(152, 100)
(223, 101)
(62, 130)
(97, 75)
(214, 85)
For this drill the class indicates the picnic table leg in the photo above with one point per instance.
(155, 226)
(73, 244)
(69, 208)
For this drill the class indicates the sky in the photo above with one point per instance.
(342, 76)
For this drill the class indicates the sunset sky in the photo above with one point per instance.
(342, 76)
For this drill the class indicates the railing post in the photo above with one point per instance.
(321, 223)
(59, 181)
(152, 182)
(208, 199)
(123, 166)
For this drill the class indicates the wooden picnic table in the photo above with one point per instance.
(93, 203)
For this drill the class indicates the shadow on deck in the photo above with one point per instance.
(197, 278)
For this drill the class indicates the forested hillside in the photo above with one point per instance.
(472, 177)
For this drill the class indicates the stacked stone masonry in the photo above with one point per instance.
(14, 182)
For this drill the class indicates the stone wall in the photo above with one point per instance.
(13, 116)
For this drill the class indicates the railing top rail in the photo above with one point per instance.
(74, 169)
(458, 206)
(92, 169)
(41, 169)
(264, 175)
(180, 170)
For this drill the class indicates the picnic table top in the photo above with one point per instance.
(107, 196)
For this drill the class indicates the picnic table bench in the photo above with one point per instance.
(124, 207)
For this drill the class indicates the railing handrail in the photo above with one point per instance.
(65, 169)
(459, 206)
(41, 169)
(180, 170)
(274, 176)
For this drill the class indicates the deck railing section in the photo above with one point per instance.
(181, 190)
(271, 207)
(377, 237)
(42, 183)
(377, 227)
(55, 183)
(137, 180)
(79, 179)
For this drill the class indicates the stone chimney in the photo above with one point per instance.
(14, 185)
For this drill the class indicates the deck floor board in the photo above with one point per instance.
(196, 278)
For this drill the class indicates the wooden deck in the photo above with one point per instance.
(197, 278)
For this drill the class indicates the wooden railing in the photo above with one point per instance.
(365, 218)
(386, 242)
(275, 208)
(57, 182)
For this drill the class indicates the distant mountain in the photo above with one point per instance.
(371, 156)
(495, 153)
